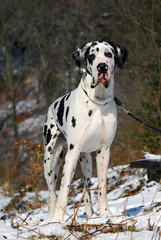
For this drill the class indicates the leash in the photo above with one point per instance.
(122, 106)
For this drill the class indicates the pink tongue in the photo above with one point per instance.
(102, 77)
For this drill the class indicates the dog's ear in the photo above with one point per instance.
(79, 55)
(121, 54)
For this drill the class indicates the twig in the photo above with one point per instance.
(84, 192)
(71, 232)
(156, 229)
(23, 220)
(70, 216)
(156, 192)
(85, 228)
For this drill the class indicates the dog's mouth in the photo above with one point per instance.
(103, 79)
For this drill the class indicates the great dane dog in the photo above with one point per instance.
(83, 121)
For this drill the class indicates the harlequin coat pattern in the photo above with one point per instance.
(83, 121)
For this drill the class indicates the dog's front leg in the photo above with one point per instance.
(102, 159)
(68, 173)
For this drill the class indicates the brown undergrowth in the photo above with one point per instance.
(30, 175)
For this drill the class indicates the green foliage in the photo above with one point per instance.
(152, 106)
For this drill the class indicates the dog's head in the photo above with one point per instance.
(99, 59)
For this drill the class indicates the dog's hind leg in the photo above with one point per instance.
(86, 166)
(54, 143)
(102, 160)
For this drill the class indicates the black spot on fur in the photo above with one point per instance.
(61, 154)
(94, 44)
(113, 50)
(45, 129)
(49, 149)
(85, 92)
(90, 113)
(55, 177)
(45, 161)
(48, 136)
(97, 49)
(73, 122)
(87, 200)
(61, 111)
(51, 125)
(55, 135)
(87, 52)
(99, 151)
(49, 174)
(67, 111)
(67, 96)
(55, 104)
(71, 146)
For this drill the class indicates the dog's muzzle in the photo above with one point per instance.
(102, 69)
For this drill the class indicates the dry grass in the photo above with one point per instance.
(86, 230)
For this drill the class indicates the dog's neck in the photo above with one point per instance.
(98, 94)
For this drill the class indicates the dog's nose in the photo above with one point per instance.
(102, 67)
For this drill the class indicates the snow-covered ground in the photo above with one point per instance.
(134, 201)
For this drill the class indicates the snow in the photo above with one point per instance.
(151, 156)
(128, 191)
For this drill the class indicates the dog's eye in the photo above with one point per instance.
(91, 57)
(108, 54)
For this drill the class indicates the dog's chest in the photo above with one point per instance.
(95, 125)
(99, 131)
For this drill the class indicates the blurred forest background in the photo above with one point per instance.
(36, 41)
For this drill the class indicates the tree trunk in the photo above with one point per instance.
(10, 80)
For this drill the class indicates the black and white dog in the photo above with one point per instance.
(84, 121)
